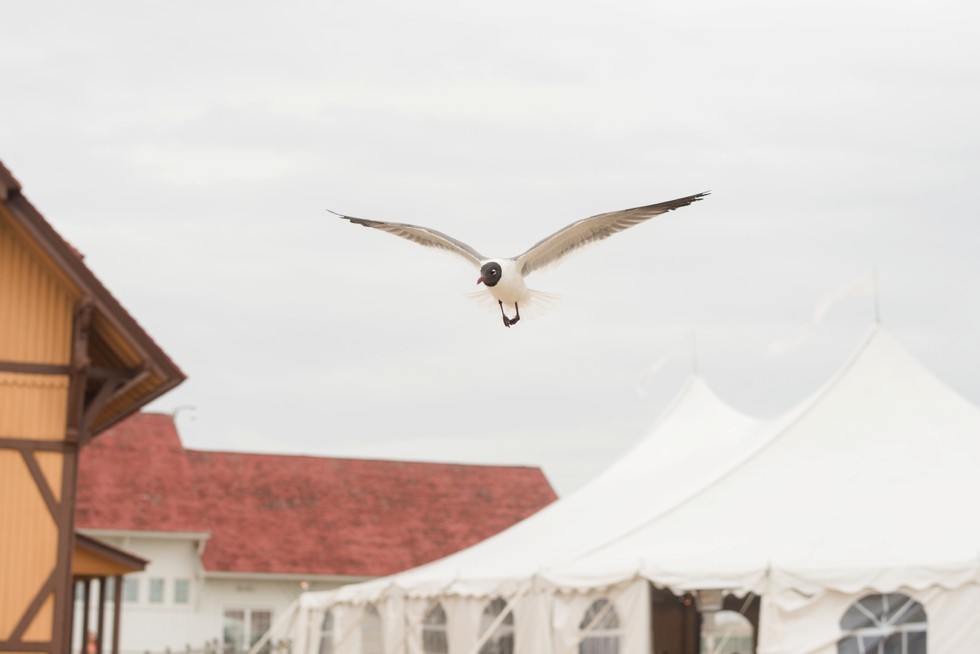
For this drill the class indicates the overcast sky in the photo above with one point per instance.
(190, 151)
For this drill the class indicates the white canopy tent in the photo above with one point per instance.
(866, 490)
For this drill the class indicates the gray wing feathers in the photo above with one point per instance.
(423, 236)
(589, 230)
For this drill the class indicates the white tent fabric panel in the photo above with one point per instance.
(631, 602)
(812, 625)
(954, 618)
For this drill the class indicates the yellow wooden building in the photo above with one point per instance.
(72, 363)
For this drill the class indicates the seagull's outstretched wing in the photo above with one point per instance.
(589, 230)
(421, 235)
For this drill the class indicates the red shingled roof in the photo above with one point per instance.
(298, 514)
(135, 477)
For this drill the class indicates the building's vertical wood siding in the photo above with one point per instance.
(36, 312)
(35, 307)
(34, 407)
(28, 540)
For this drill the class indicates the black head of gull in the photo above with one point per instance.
(490, 273)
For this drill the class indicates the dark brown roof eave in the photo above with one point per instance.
(8, 183)
(111, 553)
(157, 391)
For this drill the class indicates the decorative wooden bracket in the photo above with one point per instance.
(112, 385)
(78, 376)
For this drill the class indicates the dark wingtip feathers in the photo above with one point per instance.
(691, 199)
(356, 221)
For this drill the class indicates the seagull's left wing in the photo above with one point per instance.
(590, 230)
(421, 235)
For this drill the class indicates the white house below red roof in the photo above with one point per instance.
(233, 538)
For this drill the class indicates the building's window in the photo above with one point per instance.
(242, 628)
(260, 623)
(110, 589)
(326, 634)
(80, 591)
(131, 590)
(502, 639)
(726, 632)
(234, 631)
(156, 591)
(883, 624)
(600, 629)
(372, 636)
(182, 591)
(434, 640)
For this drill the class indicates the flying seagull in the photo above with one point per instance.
(504, 277)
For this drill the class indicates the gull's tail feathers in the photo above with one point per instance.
(534, 306)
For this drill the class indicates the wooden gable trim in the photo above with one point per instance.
(105, 311)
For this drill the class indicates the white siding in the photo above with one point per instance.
(150, 627)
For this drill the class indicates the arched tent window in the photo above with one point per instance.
(372, 637)
(502, 639)
(726, 632)
(600, 630)
(434, 639)
(883, 624)
(326, 634)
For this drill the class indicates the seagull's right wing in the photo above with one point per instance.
(589, 230)
(421, 235)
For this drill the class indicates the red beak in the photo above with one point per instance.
(480, 280)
